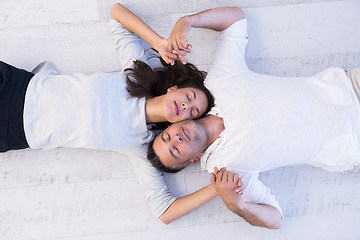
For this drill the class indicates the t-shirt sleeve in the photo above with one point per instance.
(230, 51)
(256, 191)
(127, 45)
(152, 182)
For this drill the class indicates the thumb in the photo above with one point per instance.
(184, 43)
(213, 178)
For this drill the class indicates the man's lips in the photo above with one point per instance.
(186, 133)
(176, 107)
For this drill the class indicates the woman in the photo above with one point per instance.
(46, 110)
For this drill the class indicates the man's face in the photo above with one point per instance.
(180, 144)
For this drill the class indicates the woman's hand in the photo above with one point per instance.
(164, 47)
(166, 54)
(178, 39)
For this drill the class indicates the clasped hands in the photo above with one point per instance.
(176, 46)
(229, 187)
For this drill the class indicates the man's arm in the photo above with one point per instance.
(256, 214)
(217, 19)
(134, 24)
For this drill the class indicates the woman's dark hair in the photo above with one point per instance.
(155, 160)
(142, 81)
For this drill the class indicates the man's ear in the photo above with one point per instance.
(195, 159)
(171, 88)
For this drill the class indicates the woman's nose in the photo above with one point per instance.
(184, 106)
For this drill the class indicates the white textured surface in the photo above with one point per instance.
(93, 195)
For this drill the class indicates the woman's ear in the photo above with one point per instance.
(171, 88)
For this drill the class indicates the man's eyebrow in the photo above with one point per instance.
(194, 94)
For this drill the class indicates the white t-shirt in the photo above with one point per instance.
(278, 121)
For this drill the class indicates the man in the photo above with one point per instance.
(260, 122)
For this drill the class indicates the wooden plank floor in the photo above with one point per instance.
(93, 195)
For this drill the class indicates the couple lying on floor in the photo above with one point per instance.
(238, 123)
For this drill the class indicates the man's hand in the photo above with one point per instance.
(178, 39)
(229, 187)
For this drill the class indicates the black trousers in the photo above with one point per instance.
(13, 85)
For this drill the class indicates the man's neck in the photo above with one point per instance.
(213, 126)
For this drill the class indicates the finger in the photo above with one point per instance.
(179, 42)
(219, 175)
(189, 46)
(222, 170)
(171, 55)
(239, 191)
(180, 52)
(182, 59)
(174, 43)
(230, 177)
(169, 58)
(183, 42)
(187, 50)
(239, 183)
(216, 170)
(166, 59)
(224, 176)
(213, 178)
(170, 61)
(235, 177)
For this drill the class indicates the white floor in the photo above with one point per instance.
(93, 195)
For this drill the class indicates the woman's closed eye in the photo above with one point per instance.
(194, 113)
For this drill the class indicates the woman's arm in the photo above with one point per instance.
(184, 205)
(137, 26)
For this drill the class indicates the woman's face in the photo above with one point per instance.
(184, 103)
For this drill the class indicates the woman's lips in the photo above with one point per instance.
(176, 108)
(185, 133)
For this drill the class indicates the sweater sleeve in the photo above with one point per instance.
(127, 45)
(151, 181)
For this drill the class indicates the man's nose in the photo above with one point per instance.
(178, 138)
(185, 106)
